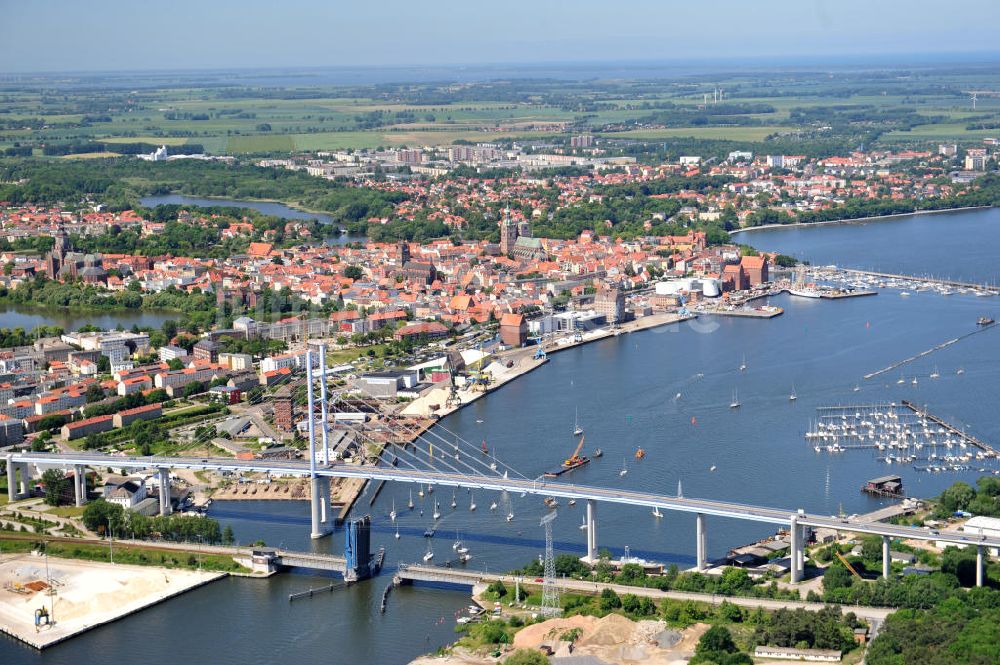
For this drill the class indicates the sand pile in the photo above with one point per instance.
(609, 631)
(531, 637)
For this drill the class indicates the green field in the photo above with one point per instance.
(850, 106)
(260, 143)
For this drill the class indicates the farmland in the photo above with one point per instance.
(220, 116)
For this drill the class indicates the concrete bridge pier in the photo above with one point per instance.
(79, 485)
(886, 557)
(164, 478)
(320, 525)
(11, 479)
(324, 504)
(591, 531)
(22, 485)
(795, 554)
(700, 541)
(980, 555)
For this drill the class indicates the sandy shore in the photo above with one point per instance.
(86, 594)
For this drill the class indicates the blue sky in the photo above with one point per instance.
(73, 35)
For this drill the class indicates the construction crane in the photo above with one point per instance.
(847, 564)
(575, 458)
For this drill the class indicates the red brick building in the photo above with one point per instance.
(734, 278)
(513, 330)
(283, 409)
(755, 268)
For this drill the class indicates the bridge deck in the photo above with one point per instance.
(538, 486)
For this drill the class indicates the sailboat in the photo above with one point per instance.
(857, 387)
(437, 511)
(914, 382)
(577, 430)
(430, 489)
(935, 374)
(410, 504)
(420, 492)
(430, 552)
(792, 396)
(743, 365)
(735, 404)
(656, 512)
(484, 448)
(583, 526)
(454, 501)
(901, 380)
(680, 490)
(472, 503)
(392, 513)
(624, 469)
(960, 370)
(397, 532)
(493, 506)
(510, 517)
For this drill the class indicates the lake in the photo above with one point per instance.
(28, 317)
(264, 207)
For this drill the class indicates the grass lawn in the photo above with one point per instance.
(65, 511)
(347, 355)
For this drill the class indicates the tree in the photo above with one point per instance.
(609, 600)
(56, 483)
(99, 515)
(354, 272)
(837, 577)
(734, 581)
(175, 364)
(527, 657)
(957, 497)
(630, 603)
(227, 535)
(716, 639)
(497, 588)
(94, 393)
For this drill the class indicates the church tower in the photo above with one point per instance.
(508, 233)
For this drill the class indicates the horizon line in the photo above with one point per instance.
(885, 59)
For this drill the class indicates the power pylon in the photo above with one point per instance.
(550, 593)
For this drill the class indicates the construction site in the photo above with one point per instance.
(46, 600)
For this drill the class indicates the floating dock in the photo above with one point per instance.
(899, 434)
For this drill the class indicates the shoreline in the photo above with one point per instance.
(855, 220)
(48, 638)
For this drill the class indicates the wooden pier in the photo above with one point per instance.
(968, 438)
